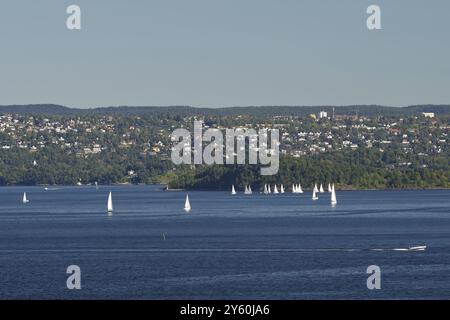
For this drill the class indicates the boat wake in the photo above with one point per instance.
(207, 250)
(50, 189)
(415, 248)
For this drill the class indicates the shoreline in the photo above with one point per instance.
(164, 187)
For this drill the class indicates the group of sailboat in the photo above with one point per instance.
(321, 189)
(247, 190)
(331, 189)
(187, 204)
(297, 188)
(268, 190)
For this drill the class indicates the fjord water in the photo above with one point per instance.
(282, 246)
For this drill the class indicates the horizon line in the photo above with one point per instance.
(221, 107)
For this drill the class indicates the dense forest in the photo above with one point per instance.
(359, 169)
(51, 166)
(362, 169)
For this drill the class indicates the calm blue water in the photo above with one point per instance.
(228, 247)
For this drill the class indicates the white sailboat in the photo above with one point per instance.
(24, 198)
(110, 203)
(96, 185)
(333, 196)
(281, 189)
(265, 189)
(321, 189)
(299, 189)
(275, 189)
(187, 204)
(232, 190)
(248, 190)
(268, 189)
(314, 195)
(315, 188)
(329, 188)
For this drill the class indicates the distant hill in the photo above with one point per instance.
(48, 109)
(263, 111)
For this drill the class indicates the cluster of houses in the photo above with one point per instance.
(423, 135)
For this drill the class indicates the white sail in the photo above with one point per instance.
(315, 188)
(300, 190)
(281, 189)
(250, 190)
(232, 190)
(329, 188)
(110, 203)
(96, 185)
(294, 189)
(265, 189)
(333, 196)
(187, 204)
(321, 189)
(275, 189)
(268, 189)
(24, 198)
(314, 195)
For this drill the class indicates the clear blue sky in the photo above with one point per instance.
(215, 53)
